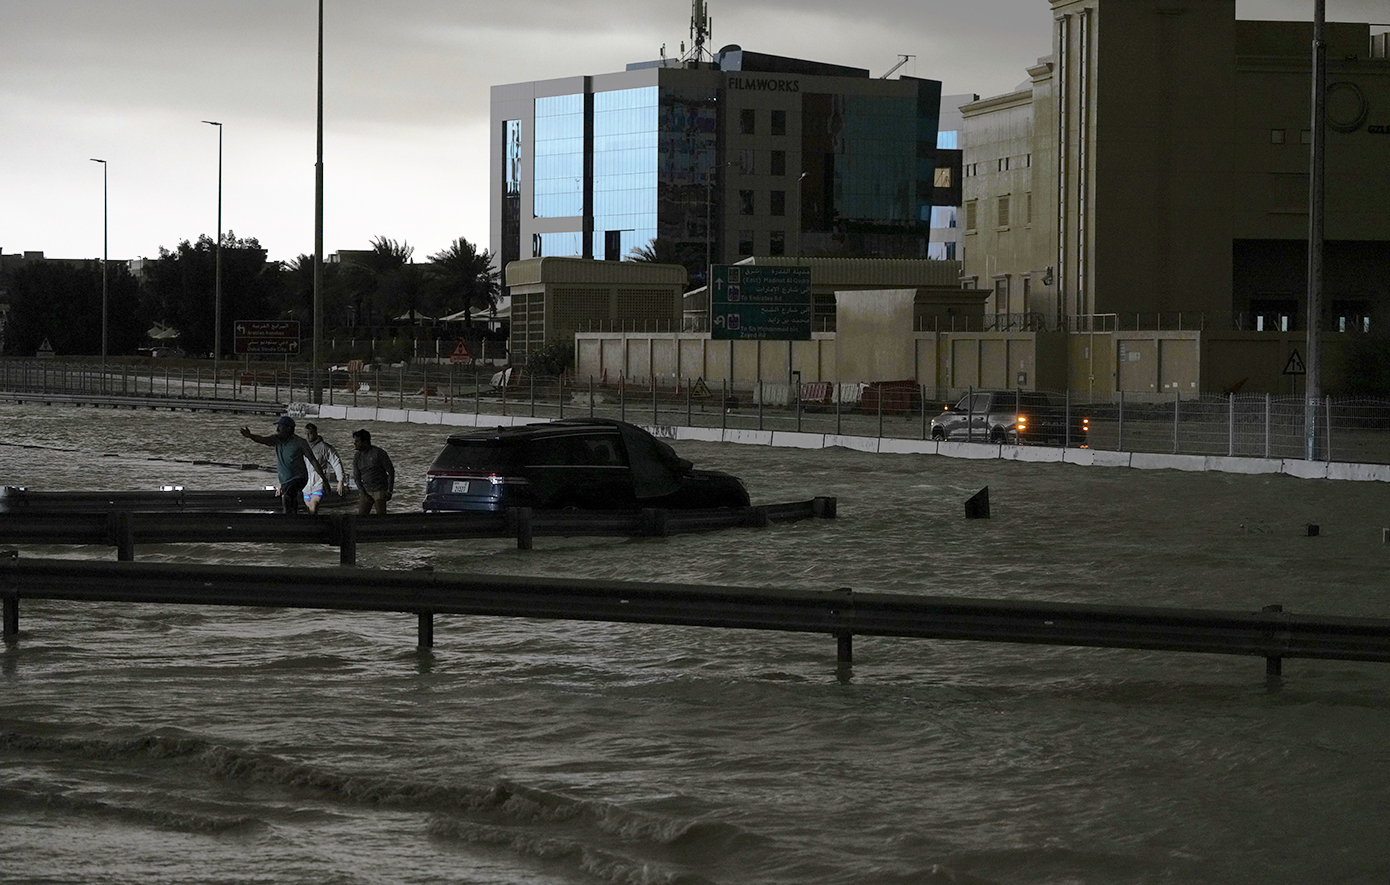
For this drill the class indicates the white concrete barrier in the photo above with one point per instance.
(784, 439)
(973, 451)
(1304, 469)
(857, 443)
(890, 446)
(1162, 461)
(1232, 464)
(1033, 454)
(748, 437)
(1359, 472)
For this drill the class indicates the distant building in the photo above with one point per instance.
(711, 162)
(1153, 174)
(945, 231)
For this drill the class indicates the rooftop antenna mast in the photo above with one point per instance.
(701, 26)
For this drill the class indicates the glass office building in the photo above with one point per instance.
(710, 163)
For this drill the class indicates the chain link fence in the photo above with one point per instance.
(1244, 425)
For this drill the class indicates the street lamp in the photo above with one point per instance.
(105, 239)
(316, 392)
(217, 285)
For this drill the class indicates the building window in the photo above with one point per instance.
(777, 243)
(1003, 164)
(1003, 206)
(779, 122)
(747, 121)
(747, 161)
(1028, 161)
(779, 163)
(1277, 136)
(778, 203)
(624, 171)
(745, 202)
(1001, 295)
(943, 217)
(558, 180)
(970, 215)
(942, 177)
(745, 242)
(1028, 208)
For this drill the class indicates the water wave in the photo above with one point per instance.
(50, 799)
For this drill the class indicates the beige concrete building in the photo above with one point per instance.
(553, 298)
(1152, 175)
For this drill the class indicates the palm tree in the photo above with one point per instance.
(373, 277)
(464, 276)
(656, 251)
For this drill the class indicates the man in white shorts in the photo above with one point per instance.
(328, 457)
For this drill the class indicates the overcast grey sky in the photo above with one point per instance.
(405, 105)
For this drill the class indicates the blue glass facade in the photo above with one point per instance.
(625, 171)
(668, 164)
(559, 160)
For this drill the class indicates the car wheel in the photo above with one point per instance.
(938, 434)
(997, 436)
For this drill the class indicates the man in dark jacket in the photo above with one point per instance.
(372, 473)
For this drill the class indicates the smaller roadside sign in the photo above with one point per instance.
(461, 353)
(1295, 365)
(266, 336)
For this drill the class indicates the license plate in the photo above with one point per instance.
(460, 487)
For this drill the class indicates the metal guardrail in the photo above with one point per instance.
(1272, 634)
(125, 529)
(144, 402)
(14, 499)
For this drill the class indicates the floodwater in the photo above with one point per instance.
(168, 744)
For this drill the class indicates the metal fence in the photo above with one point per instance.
(1245, 425)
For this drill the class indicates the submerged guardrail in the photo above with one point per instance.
(125, 529)
(1272, 633)
(144, 402)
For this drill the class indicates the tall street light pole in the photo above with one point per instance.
(217, 285)
(316, 390)
(1313, 386)
(105, 240)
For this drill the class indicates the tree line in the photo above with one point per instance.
(363, 294)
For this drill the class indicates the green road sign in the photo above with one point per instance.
(753, 302)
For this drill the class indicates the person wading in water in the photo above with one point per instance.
(293, 458)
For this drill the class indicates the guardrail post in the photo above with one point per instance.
(10, 600)
(1274, 664)
(345, 532)
(11, 615)
(653, 522)
(425, 630)
(519, 523)
(122, 532)
(844, 640)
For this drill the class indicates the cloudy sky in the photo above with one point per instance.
(405, 104)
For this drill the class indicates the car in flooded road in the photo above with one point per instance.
(1015, 417)
(581, 463)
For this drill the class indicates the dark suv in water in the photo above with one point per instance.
(590, 463)
(1011, 416)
